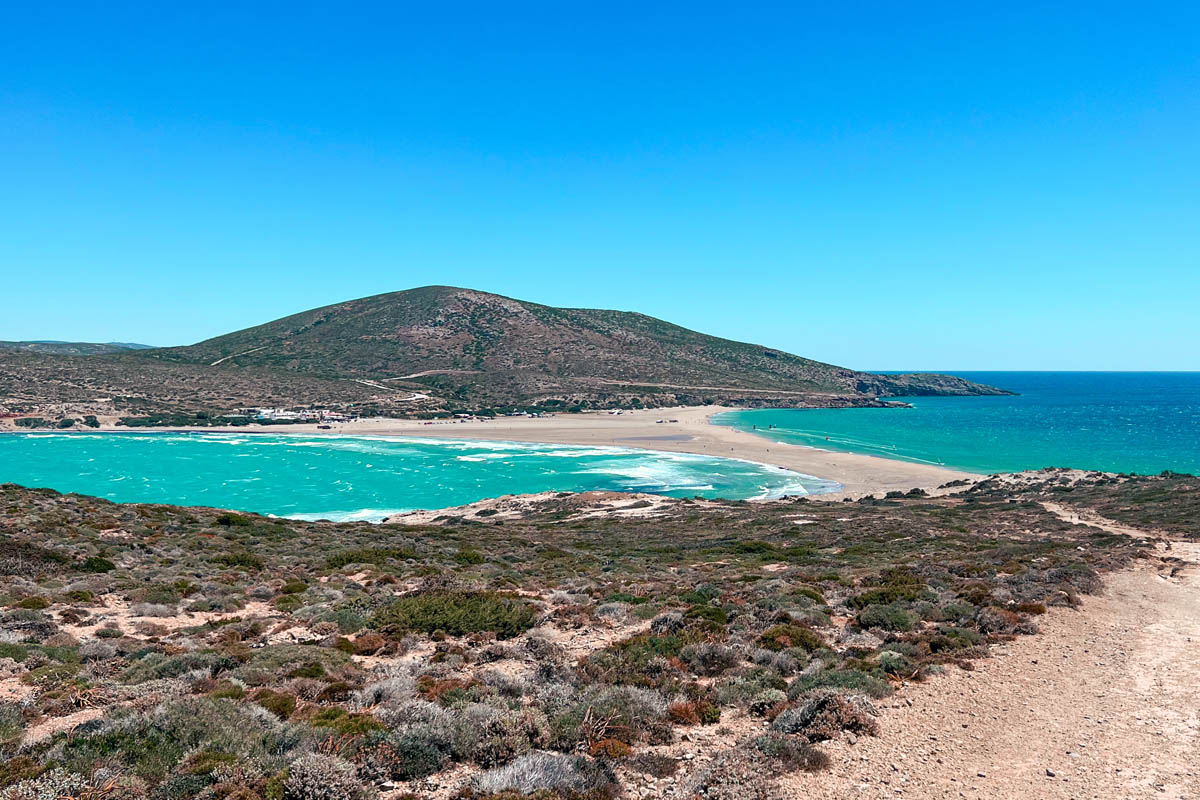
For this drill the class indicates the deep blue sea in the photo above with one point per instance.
(1142, 422)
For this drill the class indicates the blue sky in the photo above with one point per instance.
(880, 185)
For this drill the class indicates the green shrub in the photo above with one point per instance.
(886, 595)
(893, 617)
(17, 652)
(825, 715)
(12, 727)
(51, 675)
(281, 704)
(959, 611)
(63, 654)
(710, 658)
(894, 663)
(850, 680)
(204, 762)
(468, 557)
(338, 720)
(313, 669)
(150, 745)
(751, 684)
(626, 713)
(789, 754)
(405, 756)
(36, 603)
(97, 564)
(457, 613)
(810, 592)
(288, 603)
(717, 616)
(239, 560)
(625, 597)
(347, 618)
(227, 690)
(369, 555)
(276, 662)
(786, 635)
(17, 769)
(155, 666)
(950, 639)
(637, 660)
(160, 594)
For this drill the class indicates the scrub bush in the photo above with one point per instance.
(540, 771)
(457, 613)
(849, 680)
(893, 617)
(787, 635)
(826, 714)
(322, 777)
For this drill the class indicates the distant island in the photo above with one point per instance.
(438, 350)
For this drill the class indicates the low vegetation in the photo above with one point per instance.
(151, 651)
(438, 350)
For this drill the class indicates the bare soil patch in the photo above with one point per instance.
(1103, 705)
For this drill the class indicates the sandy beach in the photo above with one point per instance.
(684, 430)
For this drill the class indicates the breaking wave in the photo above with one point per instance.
(348, 478)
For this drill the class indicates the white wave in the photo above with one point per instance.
(359, 515)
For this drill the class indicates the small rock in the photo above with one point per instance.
(1049, 773)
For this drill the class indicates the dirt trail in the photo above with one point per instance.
(1103, 705)
(1078, 516)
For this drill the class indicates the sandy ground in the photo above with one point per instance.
(683, 430)
(1105, 704)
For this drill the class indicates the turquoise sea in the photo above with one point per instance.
(362, 477)
(1142, 422)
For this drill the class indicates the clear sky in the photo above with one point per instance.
(881, 185)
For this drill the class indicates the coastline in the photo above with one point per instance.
(684, 430)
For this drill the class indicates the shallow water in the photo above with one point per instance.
(363, 477)
(1142, 422)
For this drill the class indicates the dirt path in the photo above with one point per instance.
(1080, 517)
(1104, 705)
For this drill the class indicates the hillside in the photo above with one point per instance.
(73, 348)
(480, 348)
(56, 386)
(208, 653)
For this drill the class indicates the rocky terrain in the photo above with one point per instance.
(602, 645)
